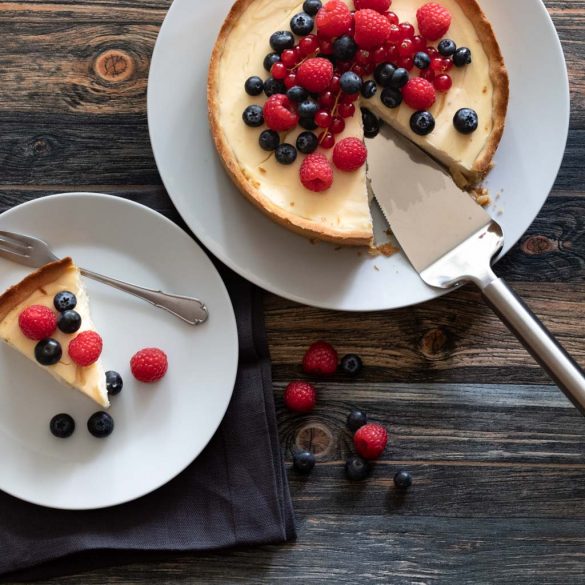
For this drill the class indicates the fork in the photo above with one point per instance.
(35, 253)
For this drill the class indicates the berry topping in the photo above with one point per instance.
(69, 321)
(307, 143)
(356, 420)
(100, 425)
(308, 124)
(466, 121)
(269, 140)
(297, 94)
(315, 74)
(285, 154)
(391, 97)
(323, 119)
(37, 322)
(346, 110)
(419, 94)
(333, 20)
(279, 113)
(447, 47)
(149, 365)
(326, 139)
(302, 24)
(351, 364)
(320, 359)
(371, 123)
(62, 426)
(274, 86)
(422, 60)
(114, 383)
(350, 82)
(303, 462)
(253, 116)
(65, 301)
(48, 352)
(462, 57)
(403, 480)
(422, 123)
(311, 7)
(369, 89)
(349, 154)
(270, 60)
(300, 396)
(371, 29)
(380, 6)
(399, 78)
(316, 173)
(433, 20)
(281, 40)
(344, 48)
(370, 441)
(443, 83)
(337, 125)
(279, 71)
(307, 109)
(357, 468)
(86, 348)
(383, 74)
(254, 85)
(308, 45)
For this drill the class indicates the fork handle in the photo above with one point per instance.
(188, 309)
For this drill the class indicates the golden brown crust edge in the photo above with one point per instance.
(289, 221)
(18, 293)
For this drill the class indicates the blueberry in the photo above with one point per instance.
(356, 420)
(48, 352)
(297, 94)
(462, 57)
(307, 142)
(281, 40)
(286, 154)
(356, 468)
(350, 82)
(254, 85)
(391, 97)
(62, 425)
(422, 123)
(269, 140)
(100, 424)
(308, 124)
(253, 116)
(308, 108)
(344, 48)
(114, 383)
(303, 462)
(371, 123)
(447, 47)
(369, 89)
(383, 74)
(399, 78)
(311, 7)
(422, 60)
(65, 301)
(466, 120)
(403, 480)
(302, 24)
(351, 364)
(69, 321)
(273, 86)
(270, 60)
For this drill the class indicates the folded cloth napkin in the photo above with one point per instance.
(235, 493)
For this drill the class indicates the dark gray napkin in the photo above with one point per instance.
(235, 493)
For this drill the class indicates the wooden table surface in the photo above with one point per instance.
(497, 453)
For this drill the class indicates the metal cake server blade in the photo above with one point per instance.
(450, 240)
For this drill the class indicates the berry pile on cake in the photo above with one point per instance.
(333, 72)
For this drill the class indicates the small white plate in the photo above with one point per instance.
(288, 265)
(159, 428)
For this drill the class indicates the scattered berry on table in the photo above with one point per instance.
(372, 29)
(381, 6)
(254, 85)
(149, 365)
(253, 116)
(351, 364)
(86, 348)
(311, 7)
(422, 60)
(399, 78)
(285, 154)
(422, 123)
(303, 462)
(370, 440)
(419, 94)
(273, 87)
(62, 426)
(321, 358)
(356, 420)
(65, 301)
(466, 120)
(270, 60)
(462, 57)
(69, 321)
(114, 383)
(333, 20)
(383, 74)
(302, 24)
(269, 140)
(350, 154)
(48, 352)
(316, 173)
(357, 468)
(391, 97)
(433, 20)
(403, 480)
(369, 89)
(344, 48)
(37, 322)
(281, 40)
(371, 123)
(100, 424)
(279, 113)
(297, 94)
(307, 142)
(350, 82)
(300, 396)
(447, 47)
(315, 74)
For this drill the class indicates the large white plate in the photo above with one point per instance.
(159, 429)
(288, 265)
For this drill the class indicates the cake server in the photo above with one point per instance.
(450, 240)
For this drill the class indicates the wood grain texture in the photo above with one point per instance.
(497, 453)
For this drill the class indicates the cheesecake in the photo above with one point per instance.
(37, 294)
(341, 213)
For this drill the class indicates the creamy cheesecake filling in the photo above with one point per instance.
(90, 380)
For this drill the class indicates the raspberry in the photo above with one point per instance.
(86, 348)
(349, 154)
(300, 396)
(279, 114)
(370, 440)
(316, 173)
(333, 20)
(315, 75)
(37, 322)
(433, 20)
(149, 365)
(371, 29)
(419, 94)
(377, 5)
(320, 359)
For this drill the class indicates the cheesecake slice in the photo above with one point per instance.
(40, 288)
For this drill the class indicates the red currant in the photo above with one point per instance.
(309, 45)
(392, 18)
(290, 80)
(337, 125)
(443, 83)
(362, 57)
(406, 62)
(334, 85)
(349, 98)
(359, 70)
(427, 74)
(289, 58)
(326, 140)
(325, 47)
(432, 52)
(323, 119)
(346, 110)
(419, 43)
(327, 100)
(407, 30)
(441, 64)
(395, 35)
(379, 55)
(278, 70)
(406, 48)
(392, 53)
(343, 66)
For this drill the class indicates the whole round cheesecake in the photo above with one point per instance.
(294, 86)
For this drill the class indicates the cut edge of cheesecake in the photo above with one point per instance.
(20, 292)
(465, 179)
